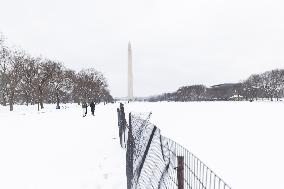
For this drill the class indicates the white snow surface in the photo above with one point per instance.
(242, 142)
(58, 149)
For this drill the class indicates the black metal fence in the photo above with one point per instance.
(156, 162)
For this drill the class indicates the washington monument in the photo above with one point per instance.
(130, 73)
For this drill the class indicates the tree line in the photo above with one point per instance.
(268, 85)
(25, 79)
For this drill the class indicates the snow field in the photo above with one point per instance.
(60, 149)
(240, 141)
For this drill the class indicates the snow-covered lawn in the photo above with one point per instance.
(241, 141)
(59, 149)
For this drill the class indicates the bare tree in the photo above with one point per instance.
(30, 70)
(89, 85)
(191, 93)
(14, 74)
(45, 71)
(61, 82)
(4, 61)
(26, 79)
(275, 83)
(253, 85)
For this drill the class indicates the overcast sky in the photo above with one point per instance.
(174, 42)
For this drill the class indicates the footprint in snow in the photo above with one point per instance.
(100, 166)
(106, 176)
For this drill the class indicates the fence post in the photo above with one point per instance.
(180, 172)
(129, 156)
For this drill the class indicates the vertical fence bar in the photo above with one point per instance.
(180, 172)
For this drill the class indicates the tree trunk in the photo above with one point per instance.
(256, 95)
(27, 99)
(11, 101)
(57, 100)
(4, 100)
(11, 106)
(41, 104)
(40, 99)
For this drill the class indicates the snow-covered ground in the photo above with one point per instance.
(60, 149)
(241, 141)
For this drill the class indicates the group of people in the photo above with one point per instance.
(85, 108)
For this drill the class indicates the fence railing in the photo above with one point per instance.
(154, 161)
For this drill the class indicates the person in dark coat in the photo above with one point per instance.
(92, 105)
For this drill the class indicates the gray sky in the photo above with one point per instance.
(175, 43)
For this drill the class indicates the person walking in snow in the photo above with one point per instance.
(84, 107)
(92, 105)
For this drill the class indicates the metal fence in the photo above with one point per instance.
(156, 162)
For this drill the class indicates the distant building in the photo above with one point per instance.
(225, 91)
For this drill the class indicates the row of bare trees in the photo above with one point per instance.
(29, 80)
(267, 85)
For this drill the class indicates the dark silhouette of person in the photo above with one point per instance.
(92, 105)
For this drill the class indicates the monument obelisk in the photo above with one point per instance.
(130, 73)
